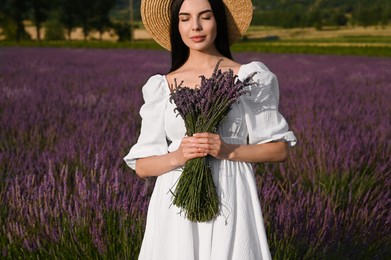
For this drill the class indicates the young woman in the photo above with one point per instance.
(198, 33)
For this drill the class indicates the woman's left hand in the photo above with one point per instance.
(213, 145)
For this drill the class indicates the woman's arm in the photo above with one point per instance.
(202, 144)
(160, 164)
(253, 153)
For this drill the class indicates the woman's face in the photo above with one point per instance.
(197, 25)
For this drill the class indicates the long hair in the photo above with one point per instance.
(179, 50)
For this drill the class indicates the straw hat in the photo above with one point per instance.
(155, 15)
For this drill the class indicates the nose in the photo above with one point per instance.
(197, 25)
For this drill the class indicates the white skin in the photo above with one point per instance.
(197, 27)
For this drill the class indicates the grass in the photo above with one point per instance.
(313, 48)
(76, 241)
(363, 46)
(350, 39)
(84, 44)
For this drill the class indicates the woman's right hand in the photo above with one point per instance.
(189, 149)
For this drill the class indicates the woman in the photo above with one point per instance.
(198, 33)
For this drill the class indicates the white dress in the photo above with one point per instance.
(238, 232)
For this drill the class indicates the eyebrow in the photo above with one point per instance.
(201, 13)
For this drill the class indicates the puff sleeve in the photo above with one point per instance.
(263, 120)
(152, 138)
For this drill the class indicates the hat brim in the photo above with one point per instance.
(155, 15)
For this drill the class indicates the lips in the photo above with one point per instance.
(198, 38)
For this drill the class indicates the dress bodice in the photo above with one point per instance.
(253, 118)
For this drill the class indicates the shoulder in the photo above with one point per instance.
(172, 77)
(230, 64)
(155, 88)
(266, 83)
(261, 71)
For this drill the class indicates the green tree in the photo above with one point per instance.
(123, 30)
(54, 27)
(316, 19)
(386, 15)
(68, 10)
(101, 20)
(13, 13)
(40, 9)
(85, 13)
(339, 18)
(368, 15)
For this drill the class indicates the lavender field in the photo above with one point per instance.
(69, 116)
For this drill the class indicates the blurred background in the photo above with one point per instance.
(280, 22)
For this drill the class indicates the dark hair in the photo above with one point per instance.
(179, 50)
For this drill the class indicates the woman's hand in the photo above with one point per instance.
(190, 148)
(213, 145)
(202, 144)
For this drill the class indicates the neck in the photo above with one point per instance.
(204, 59)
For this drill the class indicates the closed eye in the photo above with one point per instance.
(205, 15)
(184, 17)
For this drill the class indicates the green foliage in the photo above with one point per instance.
(123, 236)
(68, 15)
(12, 14)
(40, 11)
(123, 30)
(87, 44)
(316, 14)
(310, 47)
(12, 32)
(121, 11)
(54, 29)
(100, 20)
(257, 46)
(122, 240)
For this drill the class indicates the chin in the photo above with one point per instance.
(201, 47)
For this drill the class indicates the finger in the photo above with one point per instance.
(204, 134)
(194, 150)
(209, 143)
(189, 142)
(196, 155)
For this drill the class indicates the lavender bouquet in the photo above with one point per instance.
(203, 109)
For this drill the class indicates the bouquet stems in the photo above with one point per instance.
(196, 193)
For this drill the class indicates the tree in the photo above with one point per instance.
(386, 15)
(339, 18)
(316, 19)
(54, 28)
(85, 12)
(101, 20)
(68, 10)
(368, 15)
(15, 11)
(41, 9)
